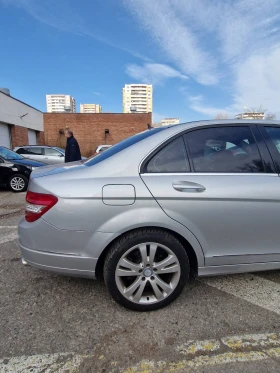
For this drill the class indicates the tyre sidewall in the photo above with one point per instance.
(159, 237)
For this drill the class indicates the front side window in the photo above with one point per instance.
(52, 152)
(170, 159)
(224, 149)
(35, 151)
(22, 151)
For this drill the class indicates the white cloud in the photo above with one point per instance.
(233, 43)
(197, 103)
(153, 73)
(97, 93)
(258, 82)
(175, 38)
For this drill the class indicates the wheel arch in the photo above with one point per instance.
(186, 244)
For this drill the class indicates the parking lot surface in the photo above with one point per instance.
(60, 324)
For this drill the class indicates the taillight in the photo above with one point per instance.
(37, 205)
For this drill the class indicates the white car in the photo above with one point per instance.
(101, 148)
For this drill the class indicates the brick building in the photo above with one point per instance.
(92, 130)
(20, 123)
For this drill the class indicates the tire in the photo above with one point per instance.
(131, 274)
(18, 183)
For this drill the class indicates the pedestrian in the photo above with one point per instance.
(72, 152)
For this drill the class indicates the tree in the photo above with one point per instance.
(256, 113)
(270, 116)
(222, 116)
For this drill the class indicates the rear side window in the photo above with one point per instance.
(224, 149)
(122, 145)
(170, 159)
(52, 152)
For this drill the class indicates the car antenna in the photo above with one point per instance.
(149, 126)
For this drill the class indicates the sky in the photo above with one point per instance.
(203, 57)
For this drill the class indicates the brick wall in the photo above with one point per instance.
(89, 129)
(40, 138)
(19, 136)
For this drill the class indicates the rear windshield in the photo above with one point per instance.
(122, 145)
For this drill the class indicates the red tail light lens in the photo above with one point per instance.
(37, 205)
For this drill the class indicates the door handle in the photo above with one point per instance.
(46, 158)
(188, 186)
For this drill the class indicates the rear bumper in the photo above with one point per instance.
(70, 265)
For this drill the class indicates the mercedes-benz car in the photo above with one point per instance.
(160, 208)
(15, 170)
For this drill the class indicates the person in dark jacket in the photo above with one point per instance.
(72, 152)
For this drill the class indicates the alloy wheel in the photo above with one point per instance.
(17, 183)
(147, 273)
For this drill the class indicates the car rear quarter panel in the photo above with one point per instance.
(80, 209)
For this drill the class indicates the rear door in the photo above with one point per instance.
(226, 191)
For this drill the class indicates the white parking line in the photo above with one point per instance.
(197, 354)
(59, 363)
(253, 289)
(8, 226)
(8, 237)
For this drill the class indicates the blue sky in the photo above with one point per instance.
(203, 57)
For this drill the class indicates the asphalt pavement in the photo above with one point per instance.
(51, 323)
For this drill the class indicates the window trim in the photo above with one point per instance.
(146, 160)
(271, 147)
(184, 132)
(249, 126)
(158, 150)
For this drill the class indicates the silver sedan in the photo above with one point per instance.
(160, 208)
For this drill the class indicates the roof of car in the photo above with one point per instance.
(236, 122)
(227, 121)
(37, 146)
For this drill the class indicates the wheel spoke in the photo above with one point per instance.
(124, 273)
(157, 291)
(171, 259)
(144, 255)
(133, 287)
(172, 269)
(130, 265)
(164, 286)
(153, 249)
(139, 292)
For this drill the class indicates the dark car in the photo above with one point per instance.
(15, 170)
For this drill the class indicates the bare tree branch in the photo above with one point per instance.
(222, 116)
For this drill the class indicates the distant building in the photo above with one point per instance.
(60, 104)
(137, 98)
(251, 115)
(170, 121)
(90, 108)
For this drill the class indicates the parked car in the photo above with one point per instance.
(46, 154)
(159, 208)
(15, 170)
(101, 148)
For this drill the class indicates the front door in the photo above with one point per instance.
(229, 197)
